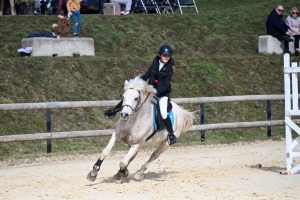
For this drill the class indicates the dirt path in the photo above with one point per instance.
(194, 172)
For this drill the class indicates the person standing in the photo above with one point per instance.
(293, 21)
(73, 7)
(276, 27)
(160, 74)
(60, 3)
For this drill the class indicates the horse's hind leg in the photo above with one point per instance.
(123, 172)
(94, 172)
(139, 175)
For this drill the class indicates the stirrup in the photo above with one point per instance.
(110, 113)
(172, 139)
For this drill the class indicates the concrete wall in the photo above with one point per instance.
(269, 45)
(44, 46)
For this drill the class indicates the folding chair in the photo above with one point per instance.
(140, 4)
(160, 6)
(165, 7)
(186, 4)
(153, 4)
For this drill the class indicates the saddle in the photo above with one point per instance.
(158, 121)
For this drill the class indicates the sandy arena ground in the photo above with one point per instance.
(194, 172)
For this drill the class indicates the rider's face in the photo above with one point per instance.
(165, 58)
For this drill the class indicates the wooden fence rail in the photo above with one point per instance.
(96, 133)
(108, 132)
(90, 104)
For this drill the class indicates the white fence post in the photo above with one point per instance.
(291, 109)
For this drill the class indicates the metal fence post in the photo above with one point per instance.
(202, 112)
(269, 128)
(48, 114)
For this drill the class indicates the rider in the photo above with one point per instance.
(159, 74)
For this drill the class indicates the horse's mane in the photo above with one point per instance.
(136, 83)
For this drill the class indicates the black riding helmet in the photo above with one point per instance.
(165, 49)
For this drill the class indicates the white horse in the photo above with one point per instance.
(12, 7)
(136, 125)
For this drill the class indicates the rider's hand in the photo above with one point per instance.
(153, 99)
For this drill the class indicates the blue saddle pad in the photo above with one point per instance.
(171, 115)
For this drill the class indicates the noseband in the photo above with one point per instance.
(138, 105)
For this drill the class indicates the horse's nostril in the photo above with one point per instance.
(124, 115)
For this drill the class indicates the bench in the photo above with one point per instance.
(44, 46)
(268, 44)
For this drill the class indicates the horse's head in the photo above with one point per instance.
(136, 93)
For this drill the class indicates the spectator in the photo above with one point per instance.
(60, 2)
(293, 21)
(73, 7)
(43, 7)
(277, 28)
(63, 24)
(127, 4)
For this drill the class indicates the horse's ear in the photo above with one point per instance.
(126, 81)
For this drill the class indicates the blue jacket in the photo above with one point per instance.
(275, 25)
(39, 34)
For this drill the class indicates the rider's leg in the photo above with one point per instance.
(163, 105)
(171, 137)
(111, 112)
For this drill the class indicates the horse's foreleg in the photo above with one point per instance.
(139, 175)
(123, 172)
(93, 173)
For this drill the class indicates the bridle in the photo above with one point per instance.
(138, 105)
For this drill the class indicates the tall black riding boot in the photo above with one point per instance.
(111, 112)
(172, 139)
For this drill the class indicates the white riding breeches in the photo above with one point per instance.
(163, 106)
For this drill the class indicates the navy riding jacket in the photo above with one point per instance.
(161, 80)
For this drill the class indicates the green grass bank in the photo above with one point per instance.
(215, 52)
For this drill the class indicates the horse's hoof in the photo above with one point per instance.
(139, 176)
(92, 175)
(117, 176)
(120, 174)
(124, 172)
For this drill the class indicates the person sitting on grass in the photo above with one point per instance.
(63, 24)
(276, 27)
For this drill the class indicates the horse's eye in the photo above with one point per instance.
(136, 99)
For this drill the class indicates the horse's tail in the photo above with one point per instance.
(188, 118)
